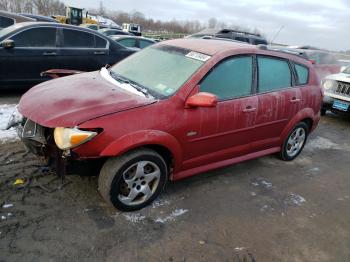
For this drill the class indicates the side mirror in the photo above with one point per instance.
(202, 99)
(7, 44)
(313, 61)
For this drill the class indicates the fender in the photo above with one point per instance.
(143, 138)
(301, 115)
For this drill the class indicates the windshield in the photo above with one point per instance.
(322, 58)
(346, 70)
(7, 30)
(162, 70)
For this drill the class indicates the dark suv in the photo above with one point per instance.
(241, 36)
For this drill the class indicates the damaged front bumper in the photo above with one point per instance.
(39, 140)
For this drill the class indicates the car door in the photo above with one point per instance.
(279, 100)
(223, 132)
(35, 51)
(80, 50)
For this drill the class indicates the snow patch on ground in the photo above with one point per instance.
(322, 144)
(134, 218)
(5, 114)
(261, 182)
(295, 200)
(160, 202)
(172, 216)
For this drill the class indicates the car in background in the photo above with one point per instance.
(28, 49)
(324, 61)
(40, 18)
(336, 92)
(136, 42)
(7, 19)
(241, 36)
(173, 110)
(110, 31)
(91, 26)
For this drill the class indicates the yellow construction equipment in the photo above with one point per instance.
(75, 16)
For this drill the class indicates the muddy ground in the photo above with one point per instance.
(260, 210)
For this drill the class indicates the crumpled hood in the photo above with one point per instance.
(72, 100)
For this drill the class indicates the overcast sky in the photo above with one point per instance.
(323, 23)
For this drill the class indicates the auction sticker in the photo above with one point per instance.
(198, 56)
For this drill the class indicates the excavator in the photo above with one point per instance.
(75, 16)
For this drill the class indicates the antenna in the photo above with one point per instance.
(277, 33)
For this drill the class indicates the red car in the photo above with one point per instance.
(173, 110)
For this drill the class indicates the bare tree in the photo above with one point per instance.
(212, 22)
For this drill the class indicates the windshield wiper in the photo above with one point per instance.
(135, 85)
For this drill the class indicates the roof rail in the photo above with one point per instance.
(283, 50)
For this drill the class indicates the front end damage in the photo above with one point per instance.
(39, 141)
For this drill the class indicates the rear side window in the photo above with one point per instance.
(100, 42)
(75, 38)
(128, 42)
(274, 74)
(144, 43)
(5, 22)
(230, 79)
(302, 74)
(36, 37)
(242, 39)
(259, 42)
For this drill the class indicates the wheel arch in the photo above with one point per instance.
(306, 115)
(163, 143)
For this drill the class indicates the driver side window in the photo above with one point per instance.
(230, 79)
(36, 37)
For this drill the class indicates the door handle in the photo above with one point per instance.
(249, 109)
(295, 100)
(49, 53)
(99, 53)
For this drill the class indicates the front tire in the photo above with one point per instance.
(295, 142)
(133, 180)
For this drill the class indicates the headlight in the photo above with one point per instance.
(328, 84)
(67, 138)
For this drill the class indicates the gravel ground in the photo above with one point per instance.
(260, 210)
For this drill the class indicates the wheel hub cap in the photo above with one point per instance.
(296, 141)
(140, 182)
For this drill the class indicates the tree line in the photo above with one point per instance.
(42, 7)
(57, 7)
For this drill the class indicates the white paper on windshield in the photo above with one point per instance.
(198, 56)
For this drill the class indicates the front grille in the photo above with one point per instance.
(343, 88)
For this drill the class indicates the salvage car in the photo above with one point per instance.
(197, 105)
(137, 42)
(336, 92)
(28, 49)
(7, 19)
(324, 62)
(110, 31)
(241, 36)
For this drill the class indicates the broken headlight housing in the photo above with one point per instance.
(328, 84)
(67, 138)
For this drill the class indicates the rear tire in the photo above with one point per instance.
(295, 142)
(133, 180)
